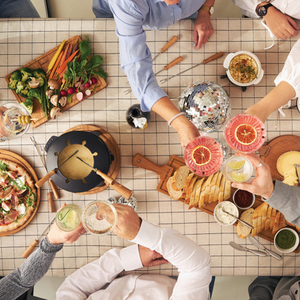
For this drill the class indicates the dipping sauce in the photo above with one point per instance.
(222, 216)
(243, 68)
(243, 199)
(285, 239)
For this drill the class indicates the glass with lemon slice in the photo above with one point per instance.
(238, 169)
(69, 217)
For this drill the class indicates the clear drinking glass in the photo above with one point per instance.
(69, 217)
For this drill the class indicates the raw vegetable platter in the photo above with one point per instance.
(95, 82)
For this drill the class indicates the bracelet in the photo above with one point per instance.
(174, 117)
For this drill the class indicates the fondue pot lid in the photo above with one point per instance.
(88, 143)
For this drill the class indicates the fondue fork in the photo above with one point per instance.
(121, 189)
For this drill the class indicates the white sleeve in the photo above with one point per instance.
(192, 261)
(291, 69)
(247, 7)
(93, 276)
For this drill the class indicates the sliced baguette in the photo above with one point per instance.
(173, 194)
(213, 188)
(190, 190)
(179, 178)
(254, 223)
(202, 195)
(282, 222)
(197, 192)
(273, 215)
(259, 221)
(268, 218)
(242, 230)
(221, 191)
(227, 190)
(217, 189)
(276, 223)
(207, 189)
(264, 209)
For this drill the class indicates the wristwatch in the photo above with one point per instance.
(210, 9)
(262, 10)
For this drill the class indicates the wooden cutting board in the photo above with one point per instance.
(270, 152)
(43, 62)
(166, 171)
(8, 155)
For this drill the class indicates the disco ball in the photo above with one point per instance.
(206, 105)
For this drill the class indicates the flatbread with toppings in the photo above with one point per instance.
(17, 196)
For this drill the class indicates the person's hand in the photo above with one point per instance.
(203, 29)
(57, 236)
(151, 258)
(186, 130)
(128, 224)
(281, 25)
(262, 184)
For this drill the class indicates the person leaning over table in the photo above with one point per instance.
(287, 87)
(278, 15)
(37, 264)
(154, 246)
(132, 17)
(286, 199)
(17, 9)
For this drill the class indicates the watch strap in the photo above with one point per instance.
(266, 6)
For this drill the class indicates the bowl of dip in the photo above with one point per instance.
(243, 68)
(243, 199)
(221, 217)
(286, 240)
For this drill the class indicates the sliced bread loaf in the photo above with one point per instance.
(179, 178)
(242, 230)
(173, 194)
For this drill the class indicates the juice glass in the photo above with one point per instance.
(238, 169)
(69, 217)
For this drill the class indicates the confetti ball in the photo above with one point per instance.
(207, 105)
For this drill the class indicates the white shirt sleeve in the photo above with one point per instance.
(291, 70)
(93, 276)
(247, 7)
(192, 261)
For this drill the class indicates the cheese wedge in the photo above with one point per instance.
(285, 166)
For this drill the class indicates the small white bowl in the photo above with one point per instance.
(243, 208)
(218, 210)
(290, 249)
(260, 71)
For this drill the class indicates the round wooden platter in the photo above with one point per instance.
(270, 153)
(113, 148)
(11, 156)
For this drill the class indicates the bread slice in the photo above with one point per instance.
(179, 178)
(222, 187)
(190, 190)
(268, 218)
(282, 222)
(211, 194)
(259, 221)
(227, 190)
(242, 230)
(254, 223)
(197, 191)
(202, 195)
(264, 209)
(173, 194)
(187, 183)
(207, 189)
(273, 215)
(276, 223)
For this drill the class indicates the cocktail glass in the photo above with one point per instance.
(245, 133)
(10, 127)
(238, 169)
(203, 156)
(69, 217)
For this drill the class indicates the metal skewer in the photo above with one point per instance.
(166, 46)
(205, 61)
(168, 66)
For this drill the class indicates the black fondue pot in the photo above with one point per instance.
(101, 156)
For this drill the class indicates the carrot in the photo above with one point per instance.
(64, 64)
(54, 58)
(56, 65)
(64, 56)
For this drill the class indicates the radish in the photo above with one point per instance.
(77, 84)
(79, 96)
(63, 93)
(71, 91)
(81, 87)
(94, 80)
(88, 92)
(87, 85)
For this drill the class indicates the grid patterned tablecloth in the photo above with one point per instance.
(23, 40)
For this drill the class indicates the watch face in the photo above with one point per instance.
(262, 11)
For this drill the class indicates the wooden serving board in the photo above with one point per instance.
(113, 148)
(8, 155)
(166, 171)
(270, 152)
(43, 62)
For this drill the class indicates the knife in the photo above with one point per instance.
(242, 248)
(257, 244)
(121, 189)
(245, 223)
(28, 251)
